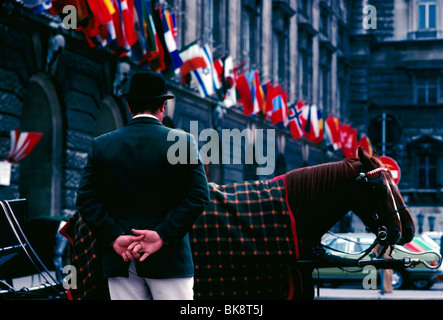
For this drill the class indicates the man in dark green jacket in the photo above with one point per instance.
(139, 206)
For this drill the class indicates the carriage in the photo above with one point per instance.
(261, 239)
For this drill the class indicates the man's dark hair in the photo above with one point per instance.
(139, 106)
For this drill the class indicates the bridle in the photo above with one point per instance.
(373, 185)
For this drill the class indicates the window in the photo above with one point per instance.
(324, 21)
(248, 37)
(325, 79)
(426, 90)
(279, 58)
(219, 28)
(305, 65)
(427, 174)
(341, 89)
(427, 14)
(245, 36)
(208, 21)
(303, 7)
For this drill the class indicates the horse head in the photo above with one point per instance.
(379, 203)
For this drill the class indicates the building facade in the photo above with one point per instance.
(51, 81)
(326, 52)
(397, 70)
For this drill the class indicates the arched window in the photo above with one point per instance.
(41, 171)
(109, 117)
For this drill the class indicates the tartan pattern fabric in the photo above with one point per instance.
(243, 246)
(243, 243)
(86, 259)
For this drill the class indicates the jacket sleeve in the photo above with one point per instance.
(91, 206)
(178, 222)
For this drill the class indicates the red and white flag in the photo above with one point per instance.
(22, 143)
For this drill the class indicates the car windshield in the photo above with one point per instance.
(360, 244)
(352, 244)
(337, 244)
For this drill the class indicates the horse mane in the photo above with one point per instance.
(318, 196)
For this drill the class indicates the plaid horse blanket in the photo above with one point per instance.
(243, 246)
(243, 243)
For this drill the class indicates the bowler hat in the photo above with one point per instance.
(147, 86)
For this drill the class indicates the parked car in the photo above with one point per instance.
(434, 235)
(352, 244)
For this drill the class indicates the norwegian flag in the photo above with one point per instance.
(295, 119)
(22, 143)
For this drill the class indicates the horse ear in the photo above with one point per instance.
(364, 157)
(362, 153)
(376, 155)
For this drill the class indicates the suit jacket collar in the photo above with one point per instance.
(147, 120)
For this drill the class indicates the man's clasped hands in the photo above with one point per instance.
(138, 246)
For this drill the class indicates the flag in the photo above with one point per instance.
(127, 8)
(229, 82)
(164, 61)
(332, 130)
(118, 27)
(219, 66)
(171, 44)
(295, 120)
(245, 95)
(311, 126)
(174, 26)
(365, 143)
(151, 37)
(270, 93)
(22, 143)
(207, 78)
(279, 107)
(83, 10)
(98, 31)
(256, 91)
(91, 31)
(216, 85)
(139, 48)
(193, 59)
(348, 141)
(264, 89)
(261, 95)
(320, 137)
(102, 11)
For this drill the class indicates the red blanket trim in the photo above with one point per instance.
(64, 231)
(294, 236)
